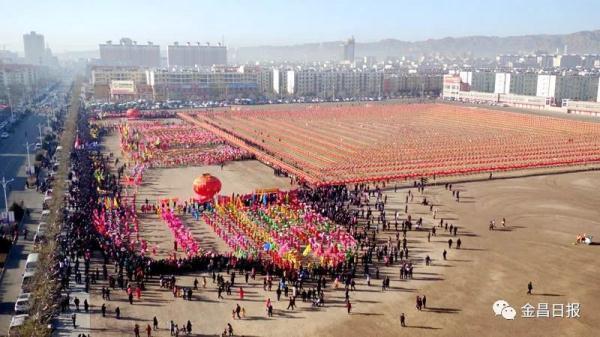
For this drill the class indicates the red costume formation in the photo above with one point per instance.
(181, 233)
(116, 220)
(171, 145)
(337, 145)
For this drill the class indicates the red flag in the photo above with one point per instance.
(77, 142)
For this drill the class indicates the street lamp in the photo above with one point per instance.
(4, 184)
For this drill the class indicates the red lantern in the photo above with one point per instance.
(205, 187)
(133, 113)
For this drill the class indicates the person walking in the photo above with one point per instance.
(136, 330)
(188, 327)
(155, 323)
(118, 312)
(349, 306)
(74, 320)
(149, 330)
(444, 254)
(292, 303)
(458, 243)
(529, 288)
(424, 300)
(402, 320)
(103, 309)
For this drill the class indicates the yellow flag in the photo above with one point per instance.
(307, 250)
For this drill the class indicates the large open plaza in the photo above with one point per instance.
(538, 214)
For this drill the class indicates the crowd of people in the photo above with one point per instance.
(101, 242)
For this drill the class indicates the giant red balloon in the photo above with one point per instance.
(133, 113)
(206, 186)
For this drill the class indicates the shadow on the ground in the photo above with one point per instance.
(442, 310)
(422, 327)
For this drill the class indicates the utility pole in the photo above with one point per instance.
(10, 103)
(4, 185)
(28, 158)
(40, 130)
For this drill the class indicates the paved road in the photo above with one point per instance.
(12, 165)
(13, 155)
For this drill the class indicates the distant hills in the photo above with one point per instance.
(583, 42)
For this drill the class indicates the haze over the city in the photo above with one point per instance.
(70, 25)
(294, 168)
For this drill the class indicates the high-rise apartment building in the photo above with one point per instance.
(196, 55)
(129, 54)
(35, 49)
(349, 50)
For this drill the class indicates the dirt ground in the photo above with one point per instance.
(544, 214)
(160, 183)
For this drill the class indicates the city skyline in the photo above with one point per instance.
(275, 23)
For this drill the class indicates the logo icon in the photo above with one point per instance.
(498, 306)
(502, 308)
(509, 313)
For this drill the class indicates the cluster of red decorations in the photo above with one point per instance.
(353, 144)
(133, 113)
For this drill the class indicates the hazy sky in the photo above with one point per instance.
(82, 24)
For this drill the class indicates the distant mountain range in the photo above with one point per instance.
(583, 42)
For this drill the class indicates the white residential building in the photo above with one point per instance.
(546, 86)
(502, 84)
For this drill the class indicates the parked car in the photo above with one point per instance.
(15, 323)
(22, 304)
(32, 262)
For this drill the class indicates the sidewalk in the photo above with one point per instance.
(64, 322)
(10, 284)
